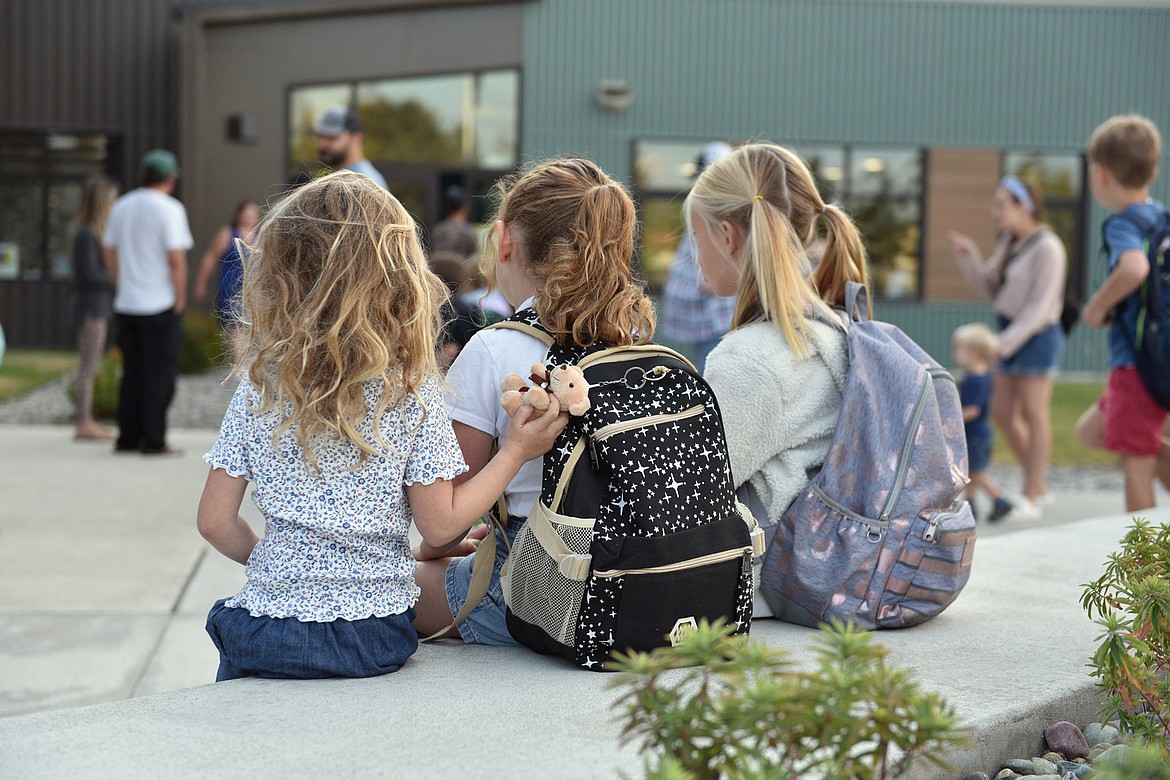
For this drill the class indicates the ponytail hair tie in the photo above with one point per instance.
(757, 197)
(824, 207)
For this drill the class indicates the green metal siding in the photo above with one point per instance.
(875, 72)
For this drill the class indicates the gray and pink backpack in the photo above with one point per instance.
(882, 536)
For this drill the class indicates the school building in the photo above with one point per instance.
(909, 112)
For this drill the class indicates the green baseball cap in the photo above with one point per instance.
(161, 163)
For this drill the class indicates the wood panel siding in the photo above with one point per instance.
(959, 186)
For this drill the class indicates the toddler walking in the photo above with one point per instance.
(975, 349)
(340, 426)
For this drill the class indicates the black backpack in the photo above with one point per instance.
(637, 534)
(1150, 335)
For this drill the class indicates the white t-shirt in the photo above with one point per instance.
(474, 399)
(144, 225)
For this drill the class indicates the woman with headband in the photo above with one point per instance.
(1025, 276)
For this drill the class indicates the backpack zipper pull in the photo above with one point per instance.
(931, 529)
(593, 459)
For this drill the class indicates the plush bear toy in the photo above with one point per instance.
(567, 383)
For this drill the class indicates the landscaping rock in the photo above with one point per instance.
(1065, 738)
(1064, 767)
(976, 776)
(1021, 766)
(1096, 733)
(1113, 756)
(1042, 766)
(1006, 774)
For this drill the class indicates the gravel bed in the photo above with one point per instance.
(200, 401)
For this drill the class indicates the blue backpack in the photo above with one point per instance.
(1151, 335)
(881, 536)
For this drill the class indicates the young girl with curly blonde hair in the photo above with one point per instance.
(563, 242)
(339, 425)
(780, 373)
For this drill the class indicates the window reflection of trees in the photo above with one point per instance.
(452, 120)
(1059, 177)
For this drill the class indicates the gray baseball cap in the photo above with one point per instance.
(338, 120)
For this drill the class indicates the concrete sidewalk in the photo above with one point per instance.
(105, 583)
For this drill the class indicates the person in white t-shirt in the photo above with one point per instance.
(561, 245)
(145, 248)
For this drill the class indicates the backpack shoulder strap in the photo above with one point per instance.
(525, 321)
(856, 301)
(523, 327)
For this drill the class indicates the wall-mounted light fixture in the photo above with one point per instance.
(242, 128)
(614, 95)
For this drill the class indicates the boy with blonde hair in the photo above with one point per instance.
(975, 349)
(1123, 162)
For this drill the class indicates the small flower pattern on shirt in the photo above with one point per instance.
(335, 541)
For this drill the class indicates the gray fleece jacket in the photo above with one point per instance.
(779, 410)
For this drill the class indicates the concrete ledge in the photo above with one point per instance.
(1010, 655)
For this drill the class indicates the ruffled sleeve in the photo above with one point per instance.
(230, 451)
(436, 453)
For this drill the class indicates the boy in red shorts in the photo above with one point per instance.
(1123, 162)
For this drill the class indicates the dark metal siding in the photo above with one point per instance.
(95, 66)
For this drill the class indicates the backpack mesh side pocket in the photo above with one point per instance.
(545, 577)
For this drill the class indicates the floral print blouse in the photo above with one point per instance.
(335, 541)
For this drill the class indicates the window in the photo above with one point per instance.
(663, 172)
(468, 119)
(880, 187)
(1059, 177)
(423, 133)
(40, 192)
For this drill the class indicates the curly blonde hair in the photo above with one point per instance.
(577, 227)
(768, 193)
(337, 294)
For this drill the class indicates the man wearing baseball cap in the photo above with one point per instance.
(145, 247)
(340, 134)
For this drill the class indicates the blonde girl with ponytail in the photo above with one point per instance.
(563, 241)
(780, 373)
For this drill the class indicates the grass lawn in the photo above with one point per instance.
(1069, 400)
(24, 369)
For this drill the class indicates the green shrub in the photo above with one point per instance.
(105, 386)
(1132, 600)
(203, 345)
(201, 351)
(741, 710)
(1142, 762)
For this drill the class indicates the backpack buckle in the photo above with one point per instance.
(575, 567)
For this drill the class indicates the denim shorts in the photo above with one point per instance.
(1040, 355)
(486, 624)
(290, 649)
(979, 452)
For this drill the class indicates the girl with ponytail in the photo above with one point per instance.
(563, 240)
(780, 373)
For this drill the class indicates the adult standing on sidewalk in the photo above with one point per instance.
(1025, 276)
(340, 143)
(93, 299)
(146, 243)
